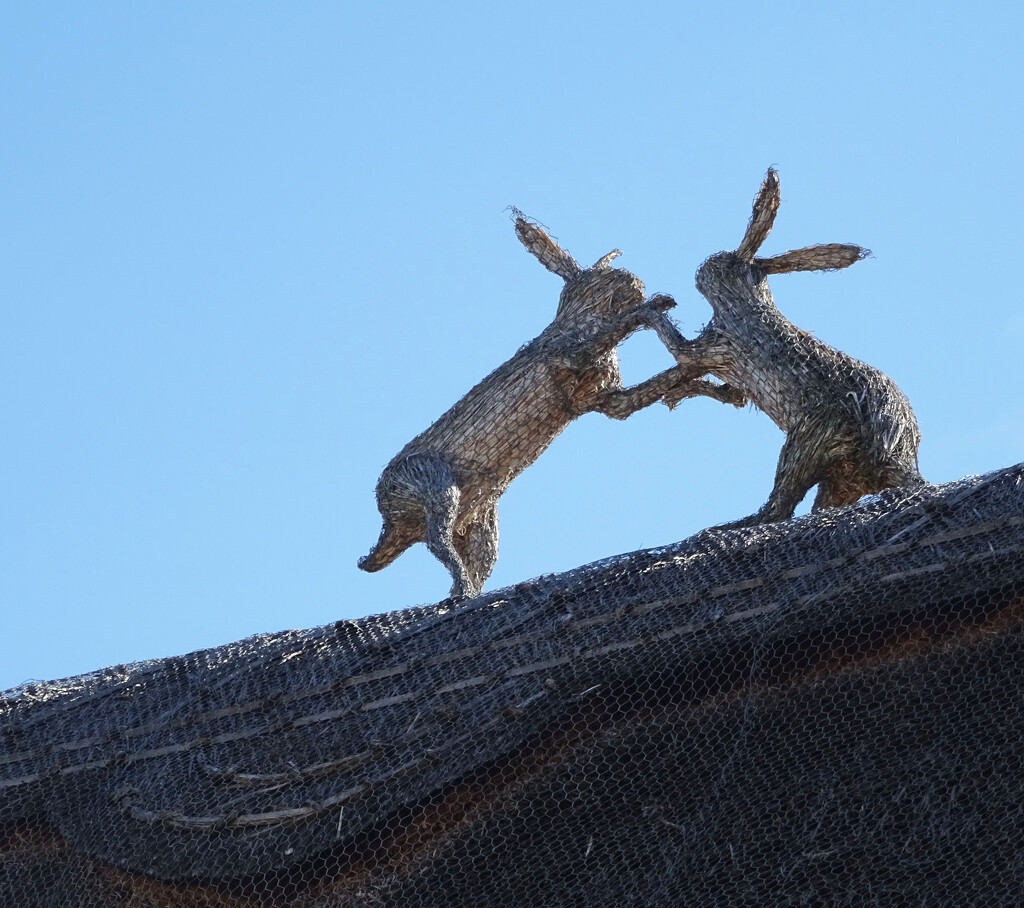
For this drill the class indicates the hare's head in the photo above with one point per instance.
(726, 268)
(599, 290)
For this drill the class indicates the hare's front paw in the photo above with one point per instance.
(653, 317)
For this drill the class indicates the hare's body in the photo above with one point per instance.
(443, 487)
(521, 407)
(849, 429)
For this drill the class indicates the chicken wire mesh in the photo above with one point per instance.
(826, 711)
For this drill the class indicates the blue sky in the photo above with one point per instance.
(250, 249)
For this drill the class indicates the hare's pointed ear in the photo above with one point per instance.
(605, 262)
(552, 256)
(827, 257)
(766, 206)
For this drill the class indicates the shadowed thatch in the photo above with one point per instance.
(822, 711)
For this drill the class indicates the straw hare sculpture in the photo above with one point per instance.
(442, 488)
(849, 429)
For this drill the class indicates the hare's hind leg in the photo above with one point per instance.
(880, 453)
(478, 546)
(842, 484)
(847, 482)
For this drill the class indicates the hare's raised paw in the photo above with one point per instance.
(661, 302)
(650, 316)
(701, 387)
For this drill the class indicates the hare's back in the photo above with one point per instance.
(507, 413)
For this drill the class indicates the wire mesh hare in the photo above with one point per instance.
(442, 488)
(849, 429)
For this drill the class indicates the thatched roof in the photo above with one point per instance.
(823, 711)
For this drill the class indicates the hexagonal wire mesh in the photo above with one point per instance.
(821, 711)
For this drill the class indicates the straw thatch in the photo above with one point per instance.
(822, 711)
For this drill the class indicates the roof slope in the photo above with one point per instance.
(818, 708)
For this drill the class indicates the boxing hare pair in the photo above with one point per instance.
(848, 427)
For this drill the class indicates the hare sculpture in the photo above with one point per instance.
(849, 429)
(442, 488)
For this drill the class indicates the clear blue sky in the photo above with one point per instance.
(250, 249)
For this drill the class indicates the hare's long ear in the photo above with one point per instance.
(827, 257)
(546, 250)
(605, 262)
(766, 206)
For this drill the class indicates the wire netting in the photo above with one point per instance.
(825, 711)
